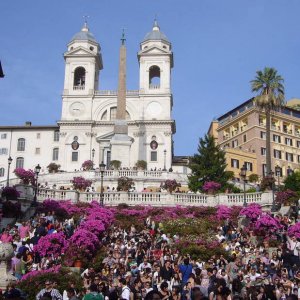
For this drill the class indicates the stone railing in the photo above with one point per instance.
(157, 199)
(114, 92)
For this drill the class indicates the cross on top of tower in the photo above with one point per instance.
(123, 39)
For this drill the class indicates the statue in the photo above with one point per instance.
(6, 253)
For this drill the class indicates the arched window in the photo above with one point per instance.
(154, 77)
(2, 172)
(113, 114)
(104, 116)
(21, 144)
(20, 162)
(79, 78)
(55, 154)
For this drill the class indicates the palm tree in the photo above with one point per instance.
(269, 86)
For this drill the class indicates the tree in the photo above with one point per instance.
(269, 86)
(208, 164)
(292, 182)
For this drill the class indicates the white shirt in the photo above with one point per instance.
(125, 293)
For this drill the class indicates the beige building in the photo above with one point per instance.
(241, 132)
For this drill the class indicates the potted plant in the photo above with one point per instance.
(211, 187)
(87, 165)
(10, 193)
(124, 184)
(80, 183)
(26, 176)
(170, 185)
(141, 165)
(53, 167)
(115, 164)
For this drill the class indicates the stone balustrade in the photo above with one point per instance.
(157, 199)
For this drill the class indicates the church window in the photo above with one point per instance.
(1, 172)
(79, 78)
(21, 144)
(38, 135)
(3, 136)
(74, 156)
(56, 136)
(154, 77)
(55, 154)
(20, 162)
(113, 114)
(153, 156)
(104, 116)
(37, 150)
(92, 48)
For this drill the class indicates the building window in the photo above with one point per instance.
(264, 169)
(263, 151)
(288, 142)
(289, 156)
(244, 138)
(55, 154)
(113, 113)
(38, 135)
(298, 158)
(21, 144)
(298, 144)
(20, 162)
(276, 138)
(249, 166)
(74, 156)
(235, 163)
(3, 136)
(2, 172)
(153, 156)
(263, 135)
(56, 135)
(37, 150)
(235, 143)
(277, 154)
(3, 151)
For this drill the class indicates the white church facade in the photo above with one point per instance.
(88, 128)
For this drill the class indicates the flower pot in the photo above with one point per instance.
(78, 263)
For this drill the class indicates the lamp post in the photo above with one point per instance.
(37, 170)
(277, 172)
(102, 169)
(9, 163)
(273, 196)
(165, 158)
(243, 174)
(93, 155)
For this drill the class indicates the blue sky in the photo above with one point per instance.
(218, 46)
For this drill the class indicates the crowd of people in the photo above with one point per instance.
(143, 264)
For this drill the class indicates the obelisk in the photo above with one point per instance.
(121, 142)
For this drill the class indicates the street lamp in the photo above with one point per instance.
(102, 169)
(93, 155)
(165, 158)
(277, 172)
(37, 170)
(9, 163)
(273, 197)
(243, 174)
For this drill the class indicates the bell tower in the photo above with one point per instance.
(83, 61)
(156, 60)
